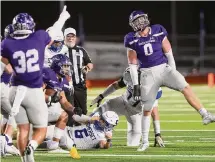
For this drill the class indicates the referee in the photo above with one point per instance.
(82, 64)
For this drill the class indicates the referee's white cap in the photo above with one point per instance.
(69, 31)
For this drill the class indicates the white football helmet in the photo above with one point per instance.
(110, 117)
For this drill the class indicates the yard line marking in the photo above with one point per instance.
(208, 137)
(114, 155)
(173, 121)
(124, 155)
(170, 130)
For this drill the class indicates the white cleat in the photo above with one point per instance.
(12, 150)
(3, 144)
(209, 118)
(143, 147)
(29, 154)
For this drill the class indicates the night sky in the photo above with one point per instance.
(111, 18)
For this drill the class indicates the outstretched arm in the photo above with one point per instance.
(109, 90)
(62, 19)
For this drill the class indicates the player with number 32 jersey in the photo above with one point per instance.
(25, 52)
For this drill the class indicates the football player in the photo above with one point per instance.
(57, 47)
(149, 49)
(8, 122)
(126, 105)
(55, 84)
(93, 134)
(25, 52)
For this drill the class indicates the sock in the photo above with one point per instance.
(156, 124)
(9, 140)
(34, 144)
(203, 112)
(58, 133)
(145, 129)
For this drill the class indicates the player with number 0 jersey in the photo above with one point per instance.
(149, 48)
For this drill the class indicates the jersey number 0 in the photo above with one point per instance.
(148, 50)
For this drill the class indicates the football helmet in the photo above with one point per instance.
(8, 31)
(138, 20)
(57, 37)
(110, 118)
(61, 65)
(23, 23)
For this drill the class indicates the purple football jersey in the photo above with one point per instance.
(149, 49)
(5, 78)
(27, 58)
(52, 82)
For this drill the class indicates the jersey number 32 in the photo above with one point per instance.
(28, 62)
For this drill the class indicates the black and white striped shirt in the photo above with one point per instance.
(79, 58)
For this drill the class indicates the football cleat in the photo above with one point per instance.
(12, 150)
(209, 118)
(159, 140)
(29, 154)
(3, 144)
(143, 147)
(74, 153)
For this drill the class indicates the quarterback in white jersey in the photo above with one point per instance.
(94, 134)
(131, 109)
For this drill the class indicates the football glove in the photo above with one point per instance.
(136, 92)
(97, 100)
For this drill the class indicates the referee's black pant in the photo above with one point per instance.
(78, 99)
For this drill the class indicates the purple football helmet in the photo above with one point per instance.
(138, 20)
(8, 31)
(23, 23)
(61, 65)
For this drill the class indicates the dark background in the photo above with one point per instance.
(111, 18)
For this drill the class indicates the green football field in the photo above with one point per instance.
(185, 137)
